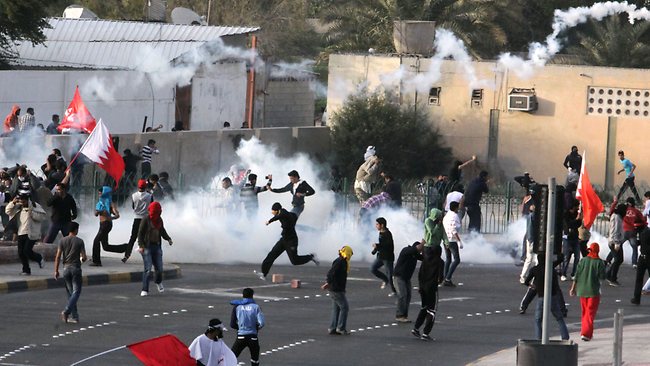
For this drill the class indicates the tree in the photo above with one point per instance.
(613, 42)
(362, 24)
(406, 142)
(22, 20)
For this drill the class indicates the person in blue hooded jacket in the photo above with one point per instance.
(107, 212)
(248, 319)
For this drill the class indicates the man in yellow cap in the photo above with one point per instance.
(336, 279)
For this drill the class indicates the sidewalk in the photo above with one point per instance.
(112, 271)
(597, 352)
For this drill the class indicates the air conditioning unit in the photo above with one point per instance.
(434, 101)
(522, 100)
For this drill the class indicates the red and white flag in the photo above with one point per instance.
(77, 116)
(99, 149)
(162, 351)
(591, 204)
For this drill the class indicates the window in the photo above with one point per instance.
(434, 95)
(477, 98)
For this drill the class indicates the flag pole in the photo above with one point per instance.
(82, 146)
(97, 355)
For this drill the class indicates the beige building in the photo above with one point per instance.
(601, 110)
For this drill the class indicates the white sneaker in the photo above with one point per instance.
(563, 278)
(383, 285)
(144, 293)
(161, 288)
(260, 275)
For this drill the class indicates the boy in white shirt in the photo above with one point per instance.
(451, 223)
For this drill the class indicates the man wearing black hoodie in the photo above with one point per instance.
(288, 241)
(64, 210)
(430, 275)
(404, 268)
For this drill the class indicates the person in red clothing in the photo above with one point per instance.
(11, 121)
(633, 222)
(591, 270)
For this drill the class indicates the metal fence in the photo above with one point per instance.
(500, 208)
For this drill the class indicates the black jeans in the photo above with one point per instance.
(145, 170)
(474, 214)
(616, 258)
(428, 311)
(290, 245)
(629, 182)
(26, 252)
(642, 266)
(101, 238)
(54, 229)
(252, 342)
(134, 236)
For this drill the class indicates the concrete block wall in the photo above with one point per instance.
(288, 103)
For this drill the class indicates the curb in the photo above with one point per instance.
(88, 280)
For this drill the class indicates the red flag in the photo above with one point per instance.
(591, 204)
(99, 149)
(166, 350)
(77, 116)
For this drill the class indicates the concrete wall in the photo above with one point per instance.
(537, 141)
(121, 98)
(219, 95)
(288, 103)
(197, 155)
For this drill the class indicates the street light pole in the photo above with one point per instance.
(548, 255)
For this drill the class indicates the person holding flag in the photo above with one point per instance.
(591, 204)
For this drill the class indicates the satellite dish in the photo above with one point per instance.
(78, 12)
(186, 16)
(157, 10)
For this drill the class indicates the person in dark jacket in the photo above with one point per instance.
(337, 278)
(430, 275)
(571, 244)
(537, 275)
(152, 229)
(643, 265)
(288, 241)
(248, 319)
(394, 190)
(404, 268)
(385, 250)
(64, 210)
(298, 188)
(473, 195)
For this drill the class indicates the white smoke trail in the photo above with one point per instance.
(540, 53)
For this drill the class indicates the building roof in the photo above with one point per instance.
(110, 44)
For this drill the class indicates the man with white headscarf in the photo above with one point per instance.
(367, 174)
(209, 349)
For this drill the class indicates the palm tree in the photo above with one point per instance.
(362, 24)
(613, 42)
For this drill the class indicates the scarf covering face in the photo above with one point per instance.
(594, 248)
(346, 253)
(104, 203)
(154, 214)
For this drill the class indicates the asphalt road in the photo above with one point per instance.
(476, 318)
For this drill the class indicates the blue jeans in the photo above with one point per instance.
(557, 314)
(73, 280)
(450, 267)
(403, 287)
(298, 209)
(388, 277)
(152, 255)
(339, 311)
(570, 246)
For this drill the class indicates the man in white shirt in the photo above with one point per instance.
(209, 350)
(451, 223)
(456, 196)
